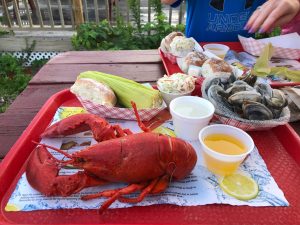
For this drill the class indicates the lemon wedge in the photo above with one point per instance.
(165, 131)
(69, 111)
(239, 186)
(11, 208)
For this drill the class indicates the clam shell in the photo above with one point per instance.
(239, 97)
(256, 111)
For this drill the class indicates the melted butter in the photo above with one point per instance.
(225, 144)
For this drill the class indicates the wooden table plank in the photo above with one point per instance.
(67, 73)
(18, 116)
(104, 57)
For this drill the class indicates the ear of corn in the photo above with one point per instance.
(127, 90)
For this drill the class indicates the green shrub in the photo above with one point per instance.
(37, 64)
(13, 79)
(14, 76)
(102, 36)
(10, 65)
(125, 36)
(10, 88)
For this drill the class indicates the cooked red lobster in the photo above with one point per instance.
(146, 161)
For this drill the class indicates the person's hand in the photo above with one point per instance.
(272, 14)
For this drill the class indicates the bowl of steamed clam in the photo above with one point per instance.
(246, 103)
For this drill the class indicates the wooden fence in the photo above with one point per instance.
(66, 14)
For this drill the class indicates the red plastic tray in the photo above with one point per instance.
(236, 46)
(279, 147)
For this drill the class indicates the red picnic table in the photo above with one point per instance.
(281, 153)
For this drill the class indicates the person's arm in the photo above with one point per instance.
(168, 2)
(271, 14)
(173, 3)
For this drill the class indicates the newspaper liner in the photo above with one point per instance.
(226, 116)
(119, 113)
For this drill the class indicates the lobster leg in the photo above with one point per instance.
(140, 123)
(143, 194)
(127, 190)
(159, 187)
(107, 194)
(110, 193)
(113, 195)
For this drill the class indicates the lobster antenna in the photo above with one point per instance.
(55, 149)
(140, 123)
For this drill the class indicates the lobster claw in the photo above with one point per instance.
(100, 128)
(42, 174)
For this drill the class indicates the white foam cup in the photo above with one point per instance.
(219, 163)
(187, 127)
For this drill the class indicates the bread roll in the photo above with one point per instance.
(181, 46)
(94, 91)
(216, 67)
(169, 38)
(193, 59)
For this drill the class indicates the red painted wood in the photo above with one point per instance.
(67, 73)
(107, 57)
(17, 117)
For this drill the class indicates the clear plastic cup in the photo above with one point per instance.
(217, 49)
(190, 114)
(219, 163)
